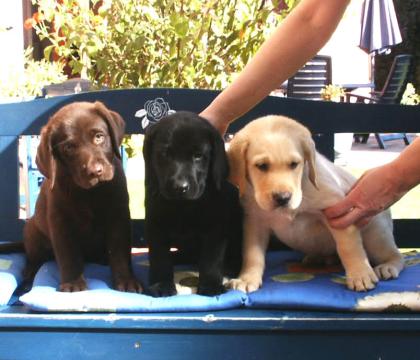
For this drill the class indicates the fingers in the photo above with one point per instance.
(339, 209)
(351, 217)
(355, 216)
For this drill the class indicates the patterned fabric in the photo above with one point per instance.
(101, 297)
(11, 267)
(288, 284)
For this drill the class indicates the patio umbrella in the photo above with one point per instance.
(380, 30)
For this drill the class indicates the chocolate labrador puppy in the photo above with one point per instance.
(189, 204)
(82, 211)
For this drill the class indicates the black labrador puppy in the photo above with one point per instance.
(82, 211)
(189, 204)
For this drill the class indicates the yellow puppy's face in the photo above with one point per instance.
(271, 154)
(275, 168)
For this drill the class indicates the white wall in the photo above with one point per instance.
(350, 64)
(11, 42)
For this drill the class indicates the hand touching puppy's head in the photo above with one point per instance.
(183, 155)
(269, 157)
(79, 143)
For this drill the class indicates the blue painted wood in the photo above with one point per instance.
(321, 117)
(234, 334)
(163, 344)
(235, 320)
(239, 334)
(9, 204)
(10, 226)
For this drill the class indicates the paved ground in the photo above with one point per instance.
(369, 155)
(362, 157)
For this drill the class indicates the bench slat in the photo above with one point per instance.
(320, 116)
(236, 334)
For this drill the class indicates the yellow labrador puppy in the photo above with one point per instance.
(284, 185)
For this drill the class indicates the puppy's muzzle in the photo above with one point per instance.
(281, 199)
(94, 172)
(181, 187)
(95, 169)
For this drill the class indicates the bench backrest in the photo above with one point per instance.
(323, 119)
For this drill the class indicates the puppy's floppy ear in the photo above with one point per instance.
(115, 123)
(237, 161)
(309, 151)
(45, 160)
(219, 162)
(149, 137)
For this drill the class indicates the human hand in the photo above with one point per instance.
(220, 125)
(374, 192)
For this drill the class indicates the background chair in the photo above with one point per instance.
(391, 93)
(308, 81)
(70, 86)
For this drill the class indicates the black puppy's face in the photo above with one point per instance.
(180, 152)
(182, 166)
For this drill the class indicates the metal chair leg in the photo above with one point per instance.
(406, 140)
(379, 140)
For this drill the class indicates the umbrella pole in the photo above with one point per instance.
(372, 69)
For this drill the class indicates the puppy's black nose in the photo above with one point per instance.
(181, 187)
(282, 198)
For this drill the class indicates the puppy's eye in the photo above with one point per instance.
(293, 165)
(99, 138)
(68, 148)
(262, 166)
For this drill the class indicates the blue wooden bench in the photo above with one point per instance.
(230, 334)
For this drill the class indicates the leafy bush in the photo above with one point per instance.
(157, 43)
(35, 75)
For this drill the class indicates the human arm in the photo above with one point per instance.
(377, 189)
(297, 39)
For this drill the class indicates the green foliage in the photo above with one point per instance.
(410, 97)
(157, 43)
(30, 81)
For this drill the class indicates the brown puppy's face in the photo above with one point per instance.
(79, 142)
(272, 154)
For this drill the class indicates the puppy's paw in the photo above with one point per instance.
(210, 290)
(362, 279)
(128, 285)
(245, 283)
(161, 289)
(389, 270)
(74, 286)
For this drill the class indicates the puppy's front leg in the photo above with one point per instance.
(69, 259)
(359, 274)
(213, 246)
(161, 274)
(256, 239)
(118, 236)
